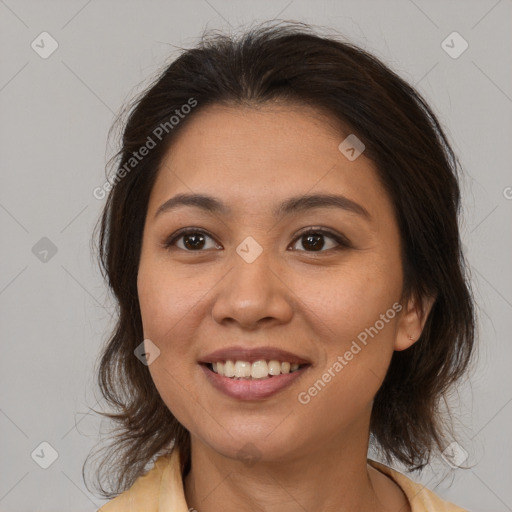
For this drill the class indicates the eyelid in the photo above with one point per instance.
(171, 241)
(342, 240)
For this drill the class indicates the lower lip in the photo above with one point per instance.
(254, 389)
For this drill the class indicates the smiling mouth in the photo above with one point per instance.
(257, 370)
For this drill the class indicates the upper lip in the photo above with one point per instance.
(239, 353)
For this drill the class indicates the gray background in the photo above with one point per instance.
(55, 116)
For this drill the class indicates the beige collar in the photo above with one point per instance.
(161, 490)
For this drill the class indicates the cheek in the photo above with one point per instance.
(170, 305)
(353, 299)
(166, 298)
(357, 342)
(355, 313)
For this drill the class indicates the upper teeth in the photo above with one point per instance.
(257, 370)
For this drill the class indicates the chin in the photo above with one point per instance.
(253, 445)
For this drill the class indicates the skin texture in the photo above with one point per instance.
(311, 303)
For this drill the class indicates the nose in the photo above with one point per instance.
(252, 294)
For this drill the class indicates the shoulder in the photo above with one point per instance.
(421, 499)
(144, 494)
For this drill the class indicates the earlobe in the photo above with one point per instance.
(412, 322)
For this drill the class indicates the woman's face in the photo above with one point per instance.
(247, 277)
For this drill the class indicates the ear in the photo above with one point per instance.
(412, 320)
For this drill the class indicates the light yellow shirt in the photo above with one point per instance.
(161, 490)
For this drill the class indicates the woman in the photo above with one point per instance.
(282, 239)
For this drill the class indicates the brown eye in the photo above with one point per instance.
(193, 240)
(314, 240)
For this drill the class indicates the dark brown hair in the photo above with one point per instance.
(291, 63)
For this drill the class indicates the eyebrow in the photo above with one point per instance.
(291, 205)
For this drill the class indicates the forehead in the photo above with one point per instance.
(262, 155)
(266, 132)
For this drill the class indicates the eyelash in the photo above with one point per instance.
(341, 240)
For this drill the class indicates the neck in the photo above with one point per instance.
(332, 477)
